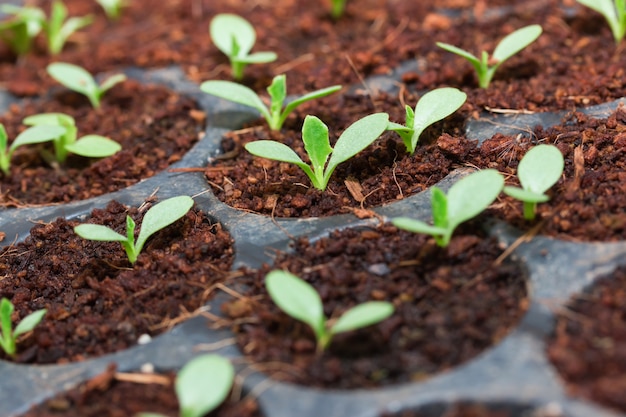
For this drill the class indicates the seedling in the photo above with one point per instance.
(511, 44)
(20, 31)
(235, 37)
(337, 7)
(432, 107)
(8, 336)
(202, 385)
(353, 140)
(91, 146)
(156, 218)
(112, 8)
(466, 199)
(299, 299)
(58, 29)
(538, 170)
(278, 111)
(80, 80)
(32, 135)
(614, 12)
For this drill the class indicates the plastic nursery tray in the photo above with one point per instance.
(514, 374)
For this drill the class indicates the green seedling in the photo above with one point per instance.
(8, 335)
(278, 110)
(511, 44)
(466, 199)
(614, 12)
(353, 140)
(58, 29)
(80, 80)
(32, 135)
(235, 37)
(538, 170)
(432, 107)
(299, 300)
(90, 146)
(337, 7)
(202, 385)
(156, 218)
(112, 8)
(20, 31)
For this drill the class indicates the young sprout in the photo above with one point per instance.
(337, 7)
(112, 8)
(58, 30)
(299, 299)
(432, 107)
(20, 31)
(156, 218)
(78, 79)
(614, 12)
(235, 37)
(8, 336)
(538, 170)
(278, 111)
(90, 146)
(466, 199)
(511, 44)
(32, 135)
(353, 140)
(202, 385)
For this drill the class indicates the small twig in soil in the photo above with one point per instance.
(526, 237)
(139, 378)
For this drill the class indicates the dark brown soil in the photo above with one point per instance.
(97, 302)
(154, 125)
(588, 202)
(112, 395)
(466, 410)
(589, 342)
(450, 305)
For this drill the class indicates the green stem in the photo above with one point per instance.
(529, 211)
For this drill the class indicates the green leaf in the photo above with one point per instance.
(472, 194)
(29, 322)
(99, 233)
(540, 168)
(316, 143)
(111, 81)
(515, 42)
(434, 106)
(278, 92)
(203, 384)
(55, 119)
(362, 315)
(417, 226)
(38, 134)
(94, 146)
(460, 52)
(358, 136)
(236, 93)
(310, 96)
(7, 340)
(439, 204)
(257, 58)
(75, 78)
(162, 215)
(297, 298)
(226, 26)
(525, 195)
(275, 151)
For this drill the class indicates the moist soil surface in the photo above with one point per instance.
(96, 301)
(450, 305)
(153, 125)
(589, 342)
(111, 394)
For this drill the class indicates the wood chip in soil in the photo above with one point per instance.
(97, 302)
(589, 342)
(152, 124)
(109, 395)
(450, 305)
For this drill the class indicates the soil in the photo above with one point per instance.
(451, 304)
(589, 342)
(97, 302)
(153, 125)
(115, 395)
